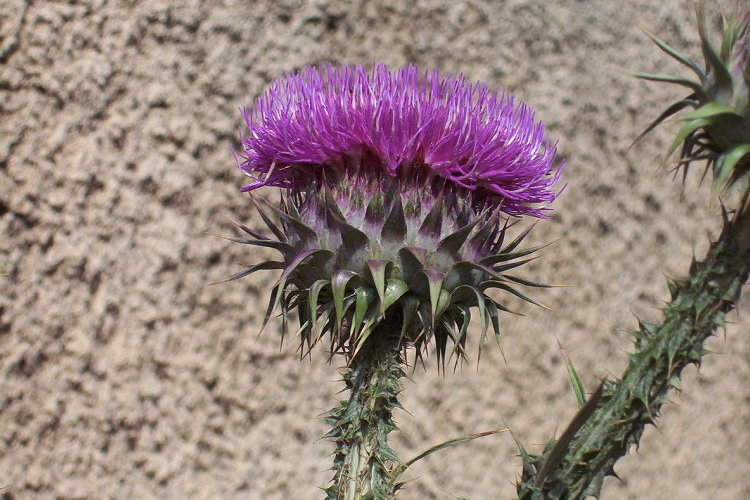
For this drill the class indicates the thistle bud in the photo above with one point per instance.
(398, 187)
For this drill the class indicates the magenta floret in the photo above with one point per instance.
(473, 136)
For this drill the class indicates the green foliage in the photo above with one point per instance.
(447, 444)
(718, 130)
(575, 380)
(615, 416)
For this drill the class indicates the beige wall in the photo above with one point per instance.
(123, 375)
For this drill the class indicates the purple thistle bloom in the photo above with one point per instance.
(468, 134)
(401, 186)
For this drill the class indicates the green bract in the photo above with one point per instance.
(718, 129)
(367, 252)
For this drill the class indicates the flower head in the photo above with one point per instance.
(399, 189)
(471, 136)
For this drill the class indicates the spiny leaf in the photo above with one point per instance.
(409, 305)
(677, 80)
(710, 110)
(444, 300)
(284, 305)
(411, 261)
(348, 303)
(732, 30)
(394, 289)
(575, 381)
(483, 234)
(558, 451)
(435, 285)
(364, 297)
(491, 306)
(675, 54)
(374, 213)
(304, 325)
(339, 280)
(647, 327)
(264, 215)
(394, 227)
(501, 307)
(441, 333)
(352, 239)
(281, 246)
(506, 256)
(367, 329)
(451, 326)
(289, 206)
(674, 108)
(513, 244)
(330, 203)
(247, 230)
(463, 327)
(377, 270)
(508, 288)
(713, 60)
(673, 287)
(726, 165)
(426, 331)
(295, 297)
(315, 334)
(512, 265)
(685, 131)
(313, 301)
(497, 233)
(482, 312)
(276, 295)
(460, 268)
(263, 266)
(306, 234)
(466, 294)
(452, 243)
(534, 284)
(433, 221)
(299, 259)
(446, 444)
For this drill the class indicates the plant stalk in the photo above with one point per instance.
(364, 464)
(614, 418)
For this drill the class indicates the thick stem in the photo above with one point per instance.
(363, 461)
(617, 413)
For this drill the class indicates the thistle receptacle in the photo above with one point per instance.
(718, 129)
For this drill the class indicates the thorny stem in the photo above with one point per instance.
(364, 464)
(614, 418)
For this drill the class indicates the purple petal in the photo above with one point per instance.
(473, 136)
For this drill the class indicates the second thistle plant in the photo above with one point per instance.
(615, 415)
(718, 129)
(398, 191)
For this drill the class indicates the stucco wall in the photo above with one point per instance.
(124, 375)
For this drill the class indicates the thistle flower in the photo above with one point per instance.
(718, 129)
(398, 190)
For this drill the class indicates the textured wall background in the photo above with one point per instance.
(123, 375)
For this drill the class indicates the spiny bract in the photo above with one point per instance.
(395, 215)
(718, 129)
